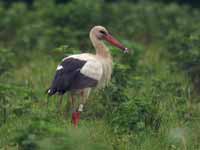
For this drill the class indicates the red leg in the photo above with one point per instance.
(75, 118)
(75, 113)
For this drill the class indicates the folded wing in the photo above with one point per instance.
(75, 73)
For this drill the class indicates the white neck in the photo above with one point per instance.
(100, 47)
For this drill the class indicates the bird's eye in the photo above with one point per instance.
(103, 32)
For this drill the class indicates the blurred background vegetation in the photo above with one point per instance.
(153, 100)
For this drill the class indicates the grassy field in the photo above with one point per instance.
(43, 128)
(152, 102)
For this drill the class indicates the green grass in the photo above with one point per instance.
(151, 102)
(56, 134)
(42, 128)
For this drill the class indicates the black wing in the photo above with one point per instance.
(68, 77)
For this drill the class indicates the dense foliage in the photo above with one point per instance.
(151, 100)
(190, 2)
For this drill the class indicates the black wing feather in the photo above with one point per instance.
(70, 78)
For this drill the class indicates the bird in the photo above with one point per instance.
(77, 74)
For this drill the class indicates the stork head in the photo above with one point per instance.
(102, 34)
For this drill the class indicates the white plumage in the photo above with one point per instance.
(92, 69)
(96, 67)
(59, 67)
(81, 72)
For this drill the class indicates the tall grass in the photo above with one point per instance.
(43, 128)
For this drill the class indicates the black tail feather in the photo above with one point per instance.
(50, 91)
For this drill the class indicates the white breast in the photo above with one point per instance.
(96, 67)
(92, 69)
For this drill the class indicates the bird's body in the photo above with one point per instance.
(79, 73)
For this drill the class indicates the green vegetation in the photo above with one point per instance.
(152, 101)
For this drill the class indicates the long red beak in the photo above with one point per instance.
(115, 42)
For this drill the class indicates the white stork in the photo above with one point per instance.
(79, 73)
